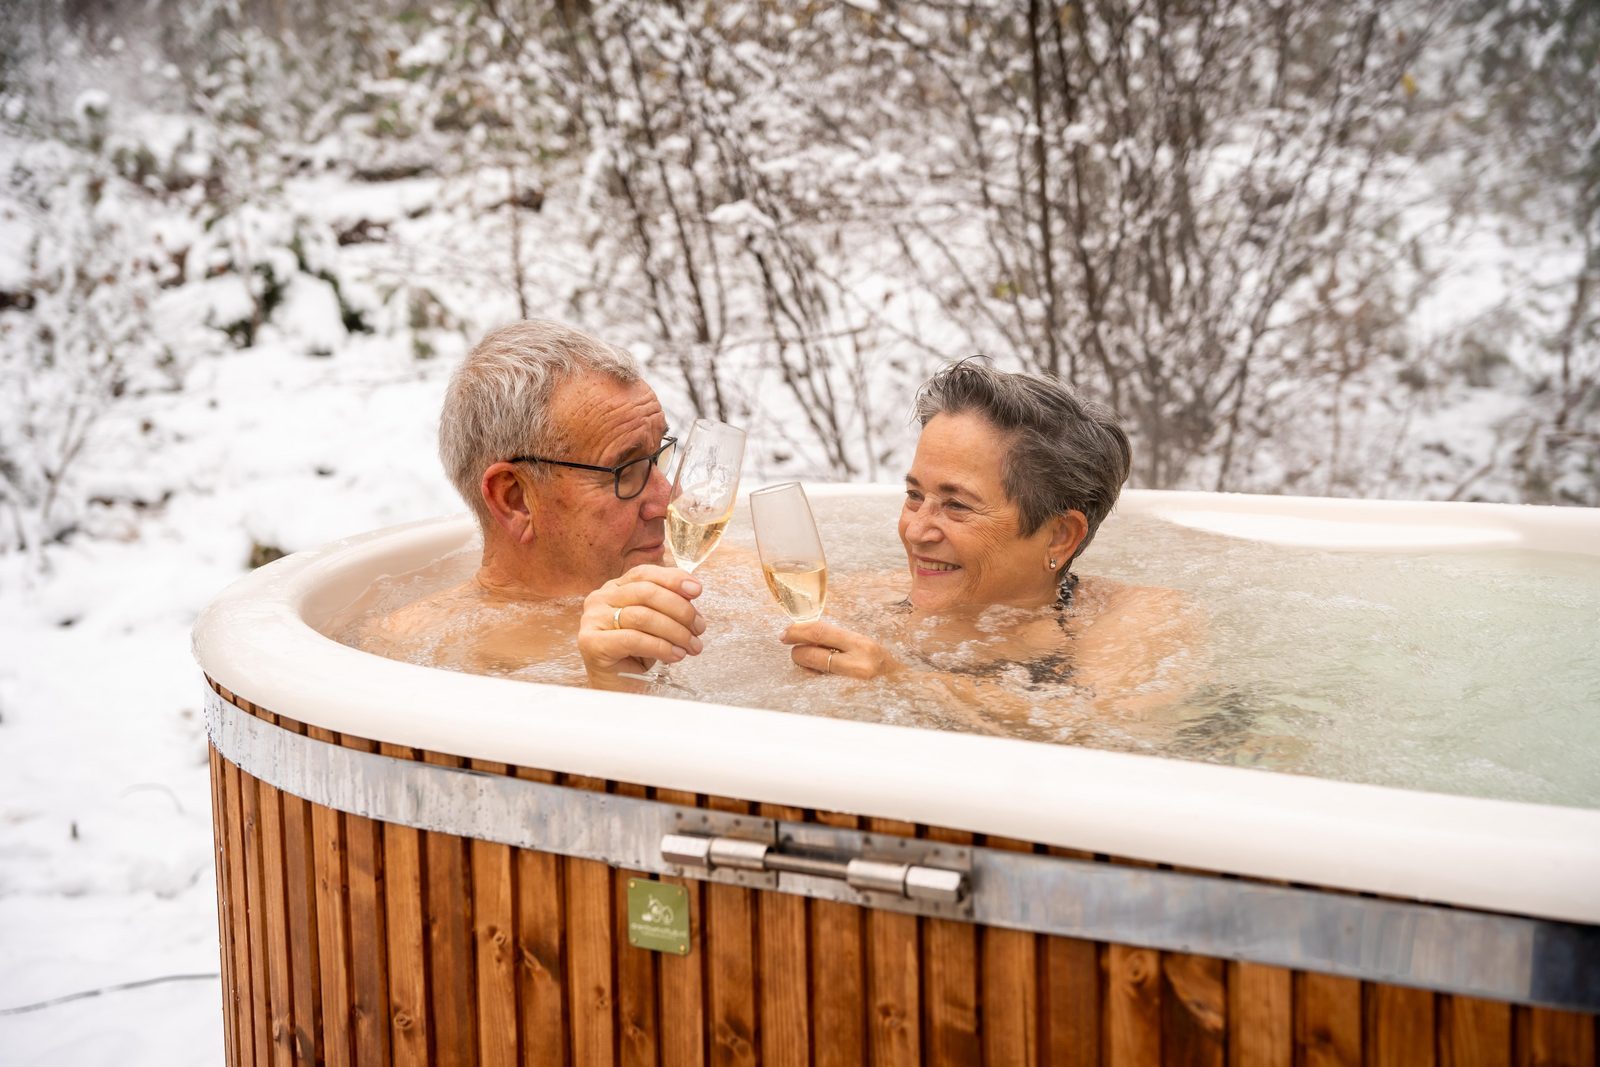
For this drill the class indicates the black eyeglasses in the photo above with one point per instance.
(630, 478)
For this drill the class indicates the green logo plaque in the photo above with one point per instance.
(658, 916)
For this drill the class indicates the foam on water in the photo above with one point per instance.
(1466, 671)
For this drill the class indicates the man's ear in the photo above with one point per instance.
(1067, 531)
(509, 500)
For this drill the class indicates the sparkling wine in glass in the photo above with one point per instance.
(791, 551)
(703, 491)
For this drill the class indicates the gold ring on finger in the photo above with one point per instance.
(616, 619)
(827, 668)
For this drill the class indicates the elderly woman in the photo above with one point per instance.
(1012, 476)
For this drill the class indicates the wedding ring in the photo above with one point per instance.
(616, 619)
(827, 668)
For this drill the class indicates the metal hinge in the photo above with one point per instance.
(914, 886)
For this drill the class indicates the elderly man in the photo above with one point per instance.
(558, 446)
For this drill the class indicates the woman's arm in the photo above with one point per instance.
(829, 649)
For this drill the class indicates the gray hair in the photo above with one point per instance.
(498, 402)
(1066, 454)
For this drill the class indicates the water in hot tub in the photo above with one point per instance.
(1469, 672)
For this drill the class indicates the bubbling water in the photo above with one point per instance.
(1462, 671)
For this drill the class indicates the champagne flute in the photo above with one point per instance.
(703, 491)
(791, 550)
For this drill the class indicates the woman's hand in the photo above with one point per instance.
(632, 621)
(829, 649)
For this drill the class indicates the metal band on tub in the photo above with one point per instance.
(1451, 950)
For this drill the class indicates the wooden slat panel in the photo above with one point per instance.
(255, 920)
(447, 904)
(894, 976)
(838, 975)
(784, 968)
(1260, 1016)
(1195, 1008)
(1009, 987)
(1327, 1020)
(406, 927)
(637, 1043)
(276, 925)
(950, 982)
(681, 979)
(1132, 1006)
(730, 965)
(369, 957)
(1400, 1026)
(541, 951)
(333, 925)
(219, 859)
(590, 951)
(1474, 1032)
(1546, 1038)
(1069, 997)
(301, 890)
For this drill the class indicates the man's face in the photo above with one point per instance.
(582, 529)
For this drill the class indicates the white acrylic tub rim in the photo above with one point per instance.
(1526, 859)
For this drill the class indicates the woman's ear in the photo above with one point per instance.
(510, 503)
(1067, 531)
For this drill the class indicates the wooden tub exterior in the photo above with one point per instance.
(350, 941)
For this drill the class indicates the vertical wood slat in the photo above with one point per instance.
(591, 947)
(950, 982)
(275, 920)
(1008, 987)
(838, 975)
(369, 963)
(1260, 1016)
(1548, 1038)
(405, 926)
(255, 921)
(681, 979)
(1474, 1032)
(637, 1043)
(1194, 1000)
(447, 898)
(784, 964)
(1069, 999)
(541, 951)
(238, 909)
(333, 924)
(730, 964)
(1132, 1004)
(1400, 1026)
(894, 975)
(494, 931)
(219, 862)
(301, 891)
(1327, 1019)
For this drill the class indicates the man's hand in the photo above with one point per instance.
(632, 621)
(829, 649)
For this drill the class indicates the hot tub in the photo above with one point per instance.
(420, 866)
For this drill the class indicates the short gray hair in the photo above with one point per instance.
(498, 402)
(1066, 454)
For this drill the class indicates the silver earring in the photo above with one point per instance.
(1052, 563)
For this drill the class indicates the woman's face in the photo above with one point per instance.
(960, 529)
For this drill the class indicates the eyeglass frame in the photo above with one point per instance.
(616, 472)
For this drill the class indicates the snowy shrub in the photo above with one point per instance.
(84, 341)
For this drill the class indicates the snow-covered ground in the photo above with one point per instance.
(105, 831)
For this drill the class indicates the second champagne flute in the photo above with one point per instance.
(791, 550)
(704, 490)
